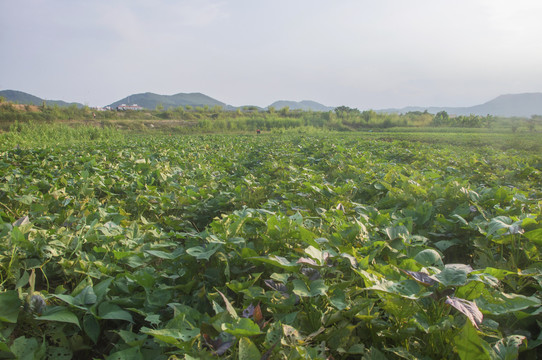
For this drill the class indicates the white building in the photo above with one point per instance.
(125, 107)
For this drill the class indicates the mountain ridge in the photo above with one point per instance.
(25, 98)
(507, 105)
(150, 100)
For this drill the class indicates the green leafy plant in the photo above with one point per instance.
(298, 246)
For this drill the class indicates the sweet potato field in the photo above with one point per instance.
(322, 246)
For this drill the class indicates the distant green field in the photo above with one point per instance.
(298, 245)
(503, 140)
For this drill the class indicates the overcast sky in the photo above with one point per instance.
(363, 54)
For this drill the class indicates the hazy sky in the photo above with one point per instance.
(364, 54)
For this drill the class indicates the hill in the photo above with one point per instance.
(300, 105)
(20, 97)
(150, 100)
(521, 105)
(509, 105)
(526, 104)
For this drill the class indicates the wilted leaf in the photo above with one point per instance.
(22, 221)
(350, 258)
(218, 346)
(468, 308)
(257, 315)
(420, 277)
(460, 219)
(290, 332)
(229, 307)
(459, 267)
(508, 348)
(307, 261)
(319, 256)
(277, 286)
(311, 273)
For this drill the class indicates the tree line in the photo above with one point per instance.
(216, 118)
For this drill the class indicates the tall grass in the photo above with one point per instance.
(26, 135)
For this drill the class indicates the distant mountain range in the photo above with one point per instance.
(20, 97)
(523, 105)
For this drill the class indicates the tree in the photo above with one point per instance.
(489, 121)
(284, 111)
(343, 111)
(367, 115)
(531, 123)
(441, 119)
